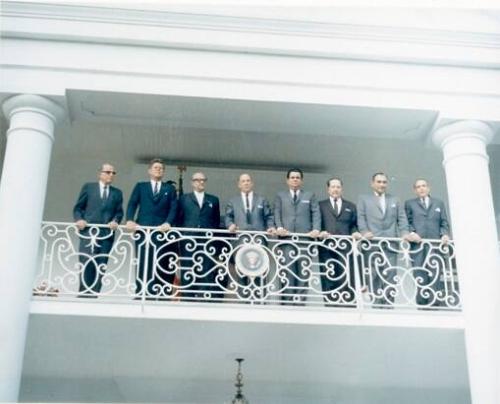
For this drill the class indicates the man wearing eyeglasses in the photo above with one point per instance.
(155, 203)
(382, 215)
(99, 203)
(198, 210)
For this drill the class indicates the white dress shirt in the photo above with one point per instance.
(250, 200)
(199, 197)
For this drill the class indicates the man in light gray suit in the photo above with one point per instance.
(295, 211)
(249, 211)
(427, 219)
(382, 215)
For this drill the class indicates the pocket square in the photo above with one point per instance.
(166, 193)
(209, 204)
(393, 205)
(260, 207)
(438, 210)
(348, 210)
(304, 201)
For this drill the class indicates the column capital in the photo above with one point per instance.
(466, 129)
(33, 102)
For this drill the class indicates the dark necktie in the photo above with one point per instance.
(247, 209)
(155, 191)
(295, 196)
(423, 203)
(336, 206)
(104, 194)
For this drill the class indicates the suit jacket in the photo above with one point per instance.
(300, 217)
(370, 217)
(190, 214)
(261, 213)
(90, 207)
(152, 210)
(343, 224)
(427, 223)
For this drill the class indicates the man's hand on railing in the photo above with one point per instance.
(324, 234)
(232, 228)
(314, 233)
(281, 231)
(356, 235)
(368, 235)
(131, 225)
(271, 231)
(164, 227)
(445, 239)
(113, 225)
(81, 224)
(413, 237)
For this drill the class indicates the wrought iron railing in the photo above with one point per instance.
(245, 267)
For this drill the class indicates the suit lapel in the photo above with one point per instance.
(421, 204)
(254, 202)
(330, 208)
(149, 190)
(376, 201)
(342, 209)
(192, 196)
(431, 202)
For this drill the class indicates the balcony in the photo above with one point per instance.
(147, 267)
(174, 339)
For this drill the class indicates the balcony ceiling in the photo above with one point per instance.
(80, 358)
(229, 132)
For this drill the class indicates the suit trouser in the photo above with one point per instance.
(383, 260)
(427, 276)
(337, 275)
(94, 259)
(156, 265)
(198, 269)
(295, 272)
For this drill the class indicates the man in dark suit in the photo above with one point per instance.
(427, 219)
(155, 203)
(99, 203)
(338, 218)
(382, 215)
(198, 210)
(252, 212)
(296, 211)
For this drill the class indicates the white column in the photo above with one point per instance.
(22, 197)
(476, 239)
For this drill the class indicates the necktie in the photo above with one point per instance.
(155, 191)
(105, 193)
(247, 209)
(336, 206)
(295, 196)
(382, 204)
(424, 202)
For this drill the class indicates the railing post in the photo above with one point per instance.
(357, 279)
(145, 263)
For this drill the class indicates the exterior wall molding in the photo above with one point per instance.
(48, 306)
(248, 34)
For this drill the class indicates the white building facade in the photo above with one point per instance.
(344, 91)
